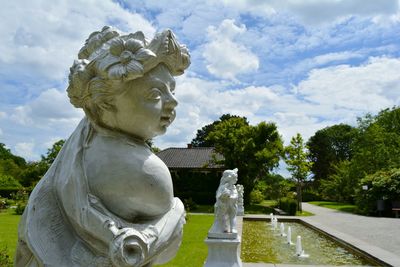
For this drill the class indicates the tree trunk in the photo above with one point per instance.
(299, 197)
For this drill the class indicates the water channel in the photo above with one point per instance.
(261, 243)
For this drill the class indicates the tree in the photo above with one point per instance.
(254, 150)
(6, 154)
(201, 137)
(296, 157)
(52, 152)
(339, 186)
(328, 147)
(377, 146)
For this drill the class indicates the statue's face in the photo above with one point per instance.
(147, 107)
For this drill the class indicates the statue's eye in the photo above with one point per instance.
(153, 94)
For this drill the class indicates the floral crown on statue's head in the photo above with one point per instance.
(107, 55)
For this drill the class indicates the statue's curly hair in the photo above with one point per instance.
(108, 58)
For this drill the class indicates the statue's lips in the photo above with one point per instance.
(166, 120)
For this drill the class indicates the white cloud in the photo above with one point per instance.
(50, 108)
(41, 38)
(3, 115)
(369, 87)
(26, 150)
(326, 97)
(319, 11)
(225, 57)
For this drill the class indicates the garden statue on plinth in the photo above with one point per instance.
(240, 203)
(107, 200)
(223, 240)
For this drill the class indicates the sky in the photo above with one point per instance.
(303, 65)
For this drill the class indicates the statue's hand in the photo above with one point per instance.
(128, 247)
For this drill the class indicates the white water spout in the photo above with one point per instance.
(289, 236)
(282, 229)
(299, 250)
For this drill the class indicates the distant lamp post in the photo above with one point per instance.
(365, 187)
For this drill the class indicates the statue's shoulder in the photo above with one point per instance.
(108, 147)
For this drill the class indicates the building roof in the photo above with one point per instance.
(191, 158)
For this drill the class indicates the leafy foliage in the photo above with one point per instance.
(288, 205)
(340, 185)
(201, 137)
(382, 185)
(328, 147)
(9, 182)
(53, 152)
(254, 150)
(296, 158)
(5, 260)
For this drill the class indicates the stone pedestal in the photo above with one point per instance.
(223, 252)
(240, 211)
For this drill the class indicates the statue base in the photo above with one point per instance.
(223, 252)
(219, 235)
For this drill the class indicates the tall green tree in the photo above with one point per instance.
(377, 146)
(328, 147)
(52, 152)
(201, 137)
(298, 164)
(6, 154)
(254, 150)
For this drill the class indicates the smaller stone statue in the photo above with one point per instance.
(223, 240)
(240, 208)
(225, 207)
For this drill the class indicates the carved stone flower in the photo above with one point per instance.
(125, 60)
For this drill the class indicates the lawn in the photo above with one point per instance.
(8, 231)
(335, 205)
(193, 251)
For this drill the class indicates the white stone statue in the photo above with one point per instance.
(225, 207)
(240, 208)
(107, 200)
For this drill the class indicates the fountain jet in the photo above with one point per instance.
(282, 229)
(299, 250)
(289, 236)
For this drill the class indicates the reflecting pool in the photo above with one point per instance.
(260, 243)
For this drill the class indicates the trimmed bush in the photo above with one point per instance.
(288, 205)
(256, 196)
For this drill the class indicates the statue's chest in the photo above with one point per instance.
(131, 181)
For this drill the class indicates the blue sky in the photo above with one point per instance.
(304, 64)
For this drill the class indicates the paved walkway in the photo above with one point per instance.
(380, 237)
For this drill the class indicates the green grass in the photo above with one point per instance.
(335, 205)
(265, 207)
(304, 213)
(193, 251)
(8, 231)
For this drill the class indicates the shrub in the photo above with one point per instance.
(310, 196)
(7, 181)
(382, 185)
(5, 260)
(189, 204)
(20, 208)
(256, 196)
(288, 205)
(4, 203)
